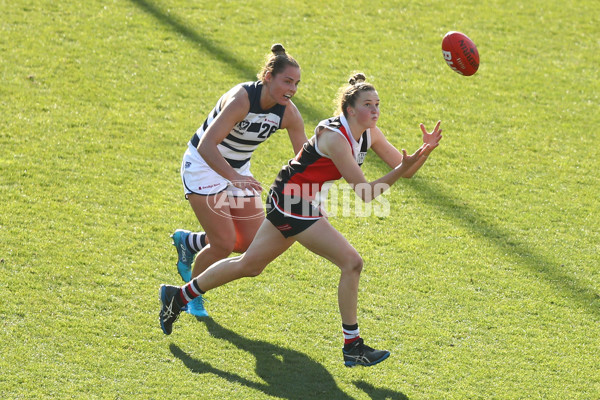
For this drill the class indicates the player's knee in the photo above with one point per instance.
(353, 263)
(252, 270)
(221, 248)
(251, 267)
(358, 263)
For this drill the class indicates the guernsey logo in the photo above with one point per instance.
(244, 125)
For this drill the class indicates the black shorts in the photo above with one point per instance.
(292, 219)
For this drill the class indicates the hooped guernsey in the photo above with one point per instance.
(297, 186)
(246, 135)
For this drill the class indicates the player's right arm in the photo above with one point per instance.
(235, 108)
(393, 157)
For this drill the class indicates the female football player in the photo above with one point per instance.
(216, 166)
(335, 151)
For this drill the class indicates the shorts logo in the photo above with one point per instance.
(187, 164)
(209, 186)
(284, 227)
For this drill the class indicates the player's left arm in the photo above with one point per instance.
(294, 124)
(384, 149)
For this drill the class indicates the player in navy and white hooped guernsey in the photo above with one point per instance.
(215, 170)
(236, 148)
(337, 150)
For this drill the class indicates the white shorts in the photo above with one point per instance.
(198, 178)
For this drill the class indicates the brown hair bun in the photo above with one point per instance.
(357, 78)
(278, 49)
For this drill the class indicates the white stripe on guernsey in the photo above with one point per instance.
(333, 130)
(213, 114)
(351, 334)
(350, 139)
(317, 145)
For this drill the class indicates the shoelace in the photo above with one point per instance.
(168, 314)
(364, 349)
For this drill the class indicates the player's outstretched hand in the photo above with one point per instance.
(431, 139)
(409, 159)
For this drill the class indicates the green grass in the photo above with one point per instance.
(483, 281)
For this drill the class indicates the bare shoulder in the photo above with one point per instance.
(332, 143)
(235, 94)
(236, 102)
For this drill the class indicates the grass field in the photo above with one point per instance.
(483, 282)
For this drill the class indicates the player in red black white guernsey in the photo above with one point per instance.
(296, 187)
(336, 150)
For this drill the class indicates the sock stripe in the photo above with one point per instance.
(197, 288)
(183, 296)
(191, 242)
(189, 292)
(194, 290)
(187, 298)
(196, 241)
(351, 333)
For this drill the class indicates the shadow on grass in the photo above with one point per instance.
(284, 373)
(245, 71)
(379, 394)
(287, 374)
(545, 267)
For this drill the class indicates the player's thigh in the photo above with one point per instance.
(324, 240)
(213, 213)
(247, 214)
(268, 244)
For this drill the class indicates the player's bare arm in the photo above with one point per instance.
(384, 149)
(294, 124)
